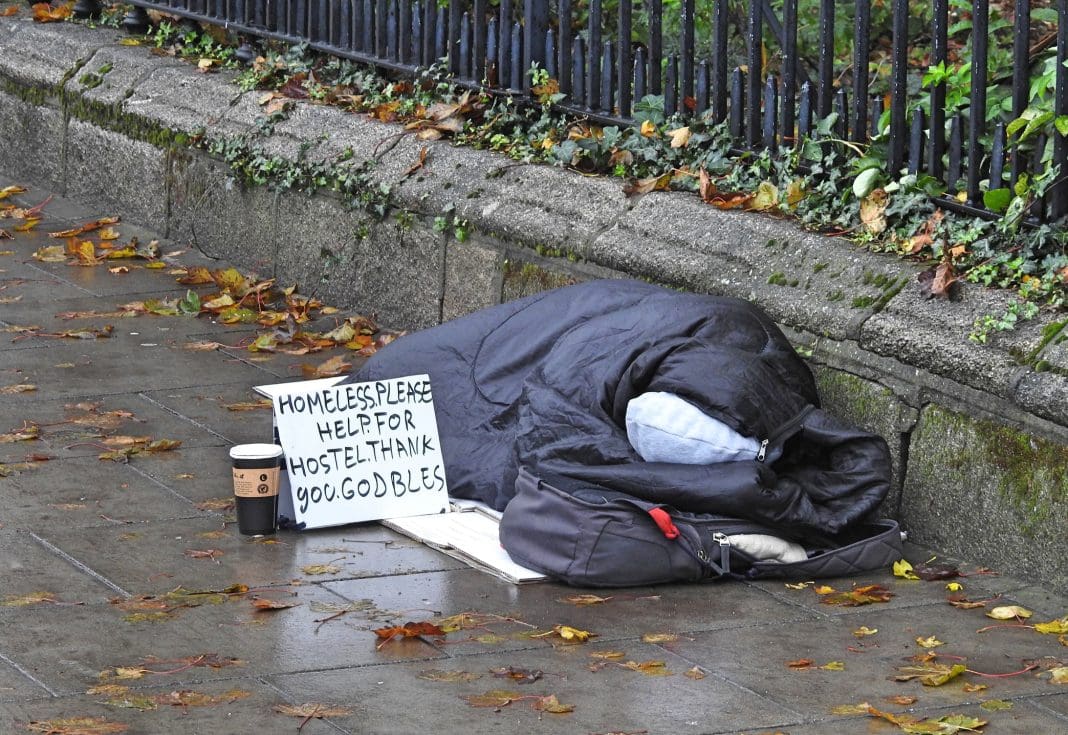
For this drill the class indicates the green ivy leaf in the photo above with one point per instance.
(865, 182)
(190, 303)
(997, 200)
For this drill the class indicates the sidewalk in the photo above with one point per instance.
(99, 560)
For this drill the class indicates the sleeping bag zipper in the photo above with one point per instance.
(784, 432)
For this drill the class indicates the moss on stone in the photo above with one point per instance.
(524, 278)
(1029, 472)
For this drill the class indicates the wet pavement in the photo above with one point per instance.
(129, 599)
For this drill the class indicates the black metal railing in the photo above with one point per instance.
(718, 66)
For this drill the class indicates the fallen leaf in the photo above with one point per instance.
(584, 599)
(75, 725)
(448, 676)
(647, 129)
(261, 604)
(851, 709)
(902, 699)
(962, 602)
(1058, 675)
(568, 633)
(212, 554)
(28, 432)
(872, 211)
(333, 367)
(31, 598)
(649, 668)
(1056, 627)
(87, 227)
(552, 705)
(954, 586)
(1009, 612)
(259, 404)
(929, 642)
(833, 666)
(644, 186)
(521, 676)
(203, 346)
(799, 664)
(312, 710)
(19, 388)
(410, 630)
(971, 687)
(996, 705)
(940, 281)
(495, 698)
(797, 585)
(190, 698)
(45, 13)
(607, 654)
(936, 572)
(660, 637)
(313, 569)
(8, 191)
(931, 674)
(50, 254)
(864, 630)
(904, 570)
(864, 595)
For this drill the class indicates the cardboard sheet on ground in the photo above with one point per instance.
(468, 533)
(358, 451)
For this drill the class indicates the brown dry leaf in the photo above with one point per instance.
(962, 602)
(520, 676)
(800, 664)
(212, 554)
(584, 599)
(45, 13)
(925, 236)
(74, 725)
(312, 710)
(864, 595)
(215, 504)
(660, 637)
(51, 254)
(333, 367)
(8, 390)
(605, 655)
(495, 698)
(190, 698)
(649, 668)
(929, 642)
(552, 705)
(203, 346)
(903, 700)
(263, 604)
(28, 432)
(644, 186)
(930, 674)
(259, 404)
(696, 673)
(410, 630)
(32, 598)
(872, 211)
(119, 270)
(936, 572)
(851, 709)
(420, 162)
(938, 282)
(313, 569)
(448, 676)
(87, 227)
(83, 252)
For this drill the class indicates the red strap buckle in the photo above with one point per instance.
(664, 523)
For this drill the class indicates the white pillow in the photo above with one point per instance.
(665, 428)
(769, 548)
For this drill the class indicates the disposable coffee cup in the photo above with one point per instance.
(256, 469)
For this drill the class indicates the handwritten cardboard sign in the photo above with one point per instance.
(360, 451)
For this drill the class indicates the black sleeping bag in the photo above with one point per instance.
(542, 385)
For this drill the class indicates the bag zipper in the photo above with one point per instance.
(783, 432)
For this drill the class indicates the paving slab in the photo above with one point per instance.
(245, 705)
(30, 568)
(159, 556)
(88, 492)
(613, 698)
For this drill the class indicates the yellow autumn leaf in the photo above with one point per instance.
(823, 589)
(904, 570)
(929, 642)
(1009, 612)
(864, 630)
(766, 197)
(679, 137)
(954, 586)
(108, 233)
(9, 190)
(1058, 675)
(660, 637)
(834, 666)
(1055, 627)
(50, 254)
(648, 129)
(572, 634)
